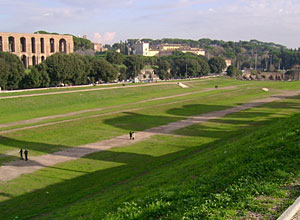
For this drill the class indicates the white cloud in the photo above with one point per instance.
(106, 38)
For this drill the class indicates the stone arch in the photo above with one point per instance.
(271, 77)
(1, 44)
(278, 77)
(42, 58)
(33, 45)
(33, 60)
(24, 60)
(23, 44)
(42, 41)
(52, 45)
(11, 44)
(62, 46)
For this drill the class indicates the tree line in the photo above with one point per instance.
(254, 54)
(74, 69)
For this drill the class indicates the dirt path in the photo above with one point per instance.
(36, 120)
(14, 169)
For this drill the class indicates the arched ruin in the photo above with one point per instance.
(32, 49)
(62, 45)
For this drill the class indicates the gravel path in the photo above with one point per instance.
(36, 120)
(14, 169)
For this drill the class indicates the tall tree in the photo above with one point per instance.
(217, 64)
(11, 71)
(134, 65)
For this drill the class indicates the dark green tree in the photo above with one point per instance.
(163, 70)
(82, 44)
(114, 57)
(67, 69)
(134, 65)
(11, 71)
(101, 70)
(217, 64)
(233, 71)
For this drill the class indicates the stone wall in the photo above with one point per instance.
(32, 49)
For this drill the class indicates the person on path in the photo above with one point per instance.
(21, 154)
(130, 135)
(133, 135)
(26, 154)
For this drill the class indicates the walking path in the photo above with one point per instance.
(36, 120)
(14, 169)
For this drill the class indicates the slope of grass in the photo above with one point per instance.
(233, 167)
(38, 106)
(55, 137)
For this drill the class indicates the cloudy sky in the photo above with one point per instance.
(109, 21)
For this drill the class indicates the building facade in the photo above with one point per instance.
(99, 47)
(165, 49)
(32, 49)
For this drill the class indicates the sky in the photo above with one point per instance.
(109, 21)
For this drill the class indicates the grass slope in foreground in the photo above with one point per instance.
(240, 166)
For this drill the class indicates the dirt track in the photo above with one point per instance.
(14, 169)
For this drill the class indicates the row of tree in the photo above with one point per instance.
(74, 69)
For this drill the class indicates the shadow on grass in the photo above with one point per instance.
(133, 165)
(140, 122)
(18, 144)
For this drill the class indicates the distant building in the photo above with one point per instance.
(147, 74)
(99, 48)
(165, 49)
(228, 62)
(32, 49)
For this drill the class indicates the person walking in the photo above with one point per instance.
(133, 135)
(21, 154)
(26, 154)
(130, 135)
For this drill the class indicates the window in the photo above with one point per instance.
(23, 44)
(42, 45)
(33, 45)
(11, 44)
(52, 48)
(62, 46)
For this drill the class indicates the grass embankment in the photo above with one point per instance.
(17, 109)
(234, 167)
(51, 138)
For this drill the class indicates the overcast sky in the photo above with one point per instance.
(109, 21)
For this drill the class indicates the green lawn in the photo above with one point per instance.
(93, 128)
(225, 168)
(238, 166)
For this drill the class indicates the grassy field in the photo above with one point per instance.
(240, 166)
(25, 108)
